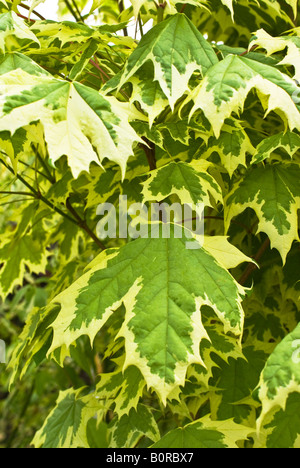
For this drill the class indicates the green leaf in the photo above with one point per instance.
(281, 375)
(286, 140)
(274, 433)
(275, 44)
(25, 250)
(229, 5)
(205, 433)
(249, 16)
(227, 84)
(123, 388)
(273, 193)
(57, 35)
(88, 52)
(65, 427)
(129, 429)
(147, 92)
(177, 50)
(33, 338)
(14, 34)
(244, 372)
(190, 181)
(96, 4)
(13, 61)
(232, 146)
(78, 121)
(3, 6)
(160, 301)
(293, 4)
(15, 256)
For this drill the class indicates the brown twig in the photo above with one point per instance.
(81, 223)
(121, 9)
(36, 13)
(248, 51)
(149, 149)
(252, 267)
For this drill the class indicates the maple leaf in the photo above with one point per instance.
(127, 430)
(15, 256)
(14, 34)
(169, 6)
(162, 326)
(273, 193)
(205, 433)
(33, 5)
(232, 146)
(289, 141)
(227, 84)
(23, 250)
(280, 376)
(78, 121)
(190, 181)
(65, 426)
(271, 44)
(177, 49)
(128, 384)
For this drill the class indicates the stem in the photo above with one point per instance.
(77, 10)
(28, 165)
(71, 10)
(25, 18)
(140, 25)
(43, 163)
(81, 222)
(160, 11)
(252, 267)
(14, 201)
(149, 150)
(19, 177)
(248, 51)
(96, 65)
(3, 192)
(121, 9)
(26, 7)
(76, 220)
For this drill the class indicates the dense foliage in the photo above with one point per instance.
(136, 339)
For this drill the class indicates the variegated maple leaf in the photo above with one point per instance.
(155, 279)
(66, 425)
(14, 34)
(227, 84)
(176, 49)
(275, 44)
(191, 182)
(232, 146)
(281, 375)
(78, 121)
(205, 433)
(273, 193)
(289, 141)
